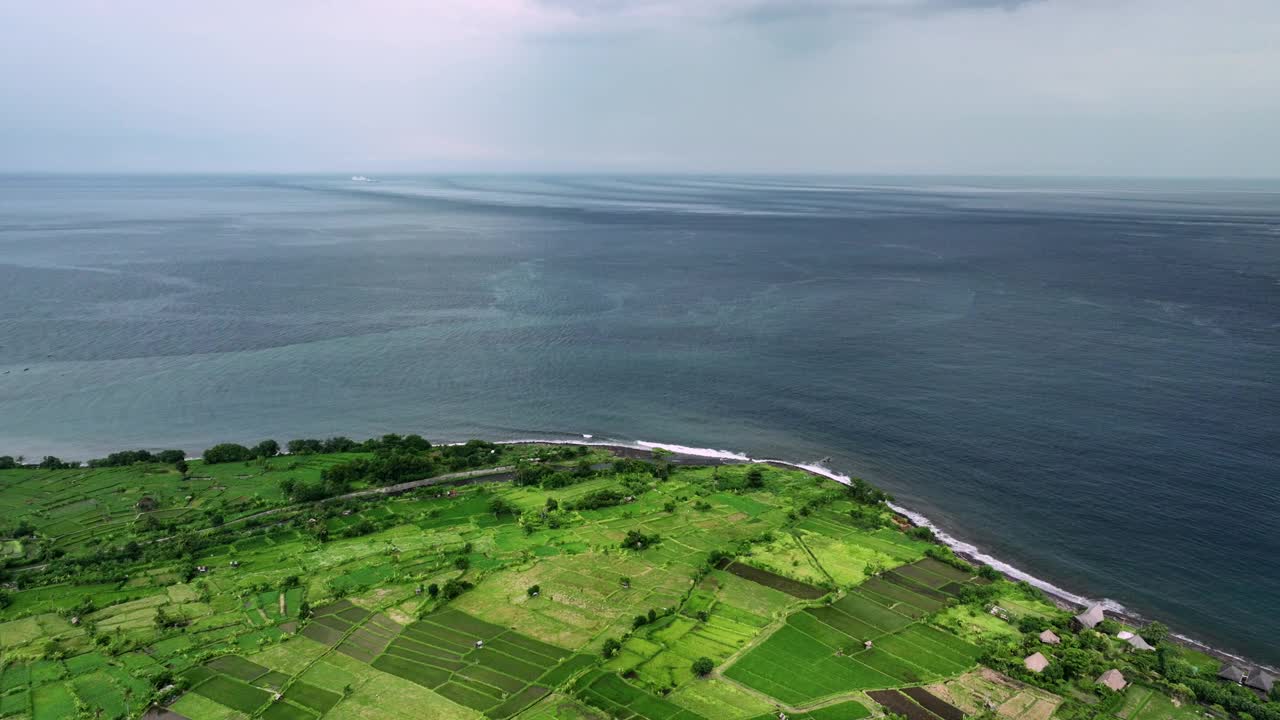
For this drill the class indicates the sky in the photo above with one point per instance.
(1039, 87)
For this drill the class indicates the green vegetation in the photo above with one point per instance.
(529, 581)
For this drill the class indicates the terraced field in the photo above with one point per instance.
(863, 640)
(524, 595)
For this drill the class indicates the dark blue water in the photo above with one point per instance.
(1077, 376)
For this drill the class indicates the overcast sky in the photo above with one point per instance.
(1109, 87)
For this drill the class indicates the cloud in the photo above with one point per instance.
(1041, 86)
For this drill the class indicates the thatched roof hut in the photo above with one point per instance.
(1112, 679)
(1036, 662)
(1137, 643)
(1231, 673)
(1049, 638)
(1260, 680)
(1089, 618)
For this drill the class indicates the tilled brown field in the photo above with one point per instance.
(934, 704)
(896, 702)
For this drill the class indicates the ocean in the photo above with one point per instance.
(1078, 377)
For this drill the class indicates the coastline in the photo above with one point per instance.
(1061, 597)
(687, 455)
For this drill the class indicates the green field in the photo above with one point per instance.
(212, 593)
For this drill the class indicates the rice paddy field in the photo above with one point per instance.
(208, 595)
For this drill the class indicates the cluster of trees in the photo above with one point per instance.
(231, 452)
(861, 491)
(382, 469)
(604, 497)
(551, 477)
(120, 459)
(636, 540)
(116, 459)
(307, 446)
(652, 616)
(133, 457)
(453, 587)
(49, 462)
(302, 491)
(1233, 698)
(395, 460)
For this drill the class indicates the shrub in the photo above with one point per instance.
(453, 588)
(988, 572)
(920, 532)
(606, 497)
(501, 506)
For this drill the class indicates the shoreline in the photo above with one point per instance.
(1061, 597)
(1064, 599)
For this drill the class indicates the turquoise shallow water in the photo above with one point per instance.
(1076, 376)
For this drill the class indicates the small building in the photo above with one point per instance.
(1124, 634)
(1113, 679)
(1036, 662)
(479, 643)
(202, 568)
(1262, 681)
(867, 645)
(1231, 673)
(1049, 638)
(1089, 619)
(1137, 643)
(235, 563)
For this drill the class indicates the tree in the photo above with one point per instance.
(1155, 633)
(703, 666)
(611, 647)
(462, 562)
(170, 457)
(988, 572)
(534, 590)
(7, 462)
(266, 449)
(755, 478)
(227, 452)
(661, 468)
(433, 590)
(181, 466)
(53, 463)
(552, 504)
